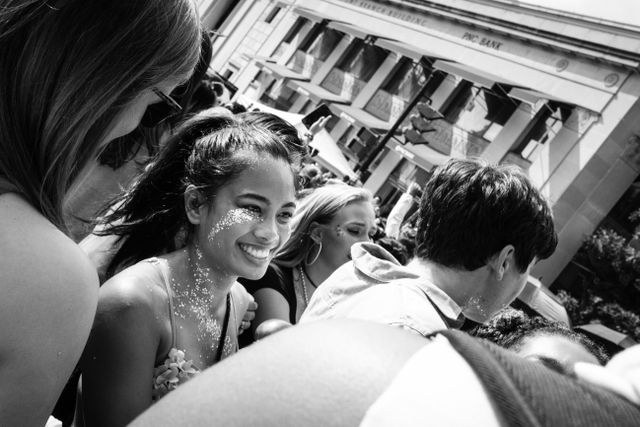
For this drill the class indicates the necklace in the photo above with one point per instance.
(304, 285)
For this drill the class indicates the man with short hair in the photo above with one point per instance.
(480, 230)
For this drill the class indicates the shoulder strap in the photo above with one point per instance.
(225, 327)
(529, 394)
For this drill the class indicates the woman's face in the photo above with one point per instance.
(129, 117)
(352, 224)
(247, 221)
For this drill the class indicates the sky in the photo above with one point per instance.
(623, 11)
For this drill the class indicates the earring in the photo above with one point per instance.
(315, 258)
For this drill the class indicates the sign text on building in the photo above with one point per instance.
(482, 41)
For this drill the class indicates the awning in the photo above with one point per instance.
(471, 74)
(422, 155)
(360, 118)
(316, 93)
(600, 331)
(532, 97)
(329, 154)
(543, 301)
(279, 71)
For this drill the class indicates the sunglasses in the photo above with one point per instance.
(161, 111)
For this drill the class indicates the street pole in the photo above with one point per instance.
(364, 167)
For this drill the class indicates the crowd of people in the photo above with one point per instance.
(219, 275)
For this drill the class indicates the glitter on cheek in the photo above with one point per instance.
(231, 218)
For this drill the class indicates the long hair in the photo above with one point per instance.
(320, 205)
(206, 152)
(67, 69)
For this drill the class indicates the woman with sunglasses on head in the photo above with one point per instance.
(327, 222)
(229, 186)
(70, 82)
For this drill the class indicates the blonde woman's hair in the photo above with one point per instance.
(320, 205)
(67, 69)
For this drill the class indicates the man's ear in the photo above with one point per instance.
(502, 261)
(194, 200)
(315, 232)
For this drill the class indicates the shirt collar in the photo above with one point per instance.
(378, 264)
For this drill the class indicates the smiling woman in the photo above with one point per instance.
(230, 187)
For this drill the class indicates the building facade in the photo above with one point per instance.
(553, 92)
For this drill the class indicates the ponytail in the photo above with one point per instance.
(150, 215)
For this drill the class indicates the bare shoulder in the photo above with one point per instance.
(137, 289)
(49, 296)
(43, 273)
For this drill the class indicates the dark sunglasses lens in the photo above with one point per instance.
(156, 114)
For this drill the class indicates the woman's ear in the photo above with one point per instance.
(193, 202)
(315, 232)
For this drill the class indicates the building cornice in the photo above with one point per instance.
(553, 30)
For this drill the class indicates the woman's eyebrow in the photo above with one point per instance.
(263, 199)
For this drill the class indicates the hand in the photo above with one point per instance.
(249, 315)
(269, 327)
(414, 190)
(319, 124)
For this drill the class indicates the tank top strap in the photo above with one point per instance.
(165, 282)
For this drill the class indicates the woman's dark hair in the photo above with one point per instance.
(206, 152)
(470, 210)
(509, 328)
(281, 127)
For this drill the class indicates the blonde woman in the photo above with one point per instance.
(328, 220)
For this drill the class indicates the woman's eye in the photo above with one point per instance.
(354, 231)
(253, 210)
(285, 217)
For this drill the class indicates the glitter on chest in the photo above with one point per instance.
(196, 302)
(231, 218)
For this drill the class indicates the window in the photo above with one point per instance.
(409, 77)
(362, 143)
(480, 111)
(544, 126)
(279, 95)
(321, 43)
(272, 14)
(362, 60)
(229, 72)
(295, 30)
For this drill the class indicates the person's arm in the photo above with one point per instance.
(399, 211)
(118, 363)
(49, 296)
(271, 305)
